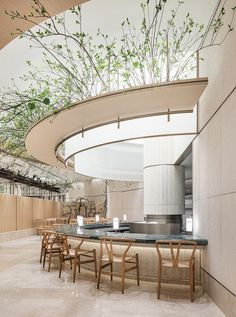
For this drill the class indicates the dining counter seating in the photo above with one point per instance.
(108, 258)
(53, 244)
(77, 256)
(62, 220)
(51, 221)
(46, 236)
(171, 255)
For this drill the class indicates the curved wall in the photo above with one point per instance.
(164, 182)
(164, 190)
(118, 161)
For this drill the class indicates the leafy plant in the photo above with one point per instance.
(76, 68)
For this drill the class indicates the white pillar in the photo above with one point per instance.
(164, 182)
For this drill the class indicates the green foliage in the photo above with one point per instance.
(76, 68)
(46, 101)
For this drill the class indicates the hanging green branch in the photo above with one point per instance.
(76, 67)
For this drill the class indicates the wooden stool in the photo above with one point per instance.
(176, 260)
(108, 258)
(53, 247)
(46, 236)
(77, 256)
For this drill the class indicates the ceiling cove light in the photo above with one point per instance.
(180, 124)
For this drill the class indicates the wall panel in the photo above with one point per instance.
(214, 174)
(48, 208)
(57, 209)
(24, 216)
(17, 213)
(7, 213)
(38, 208)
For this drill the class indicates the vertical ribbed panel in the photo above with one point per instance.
(164, 190)
(164, 182)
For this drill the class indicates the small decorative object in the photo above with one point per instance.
(79, 230)
(97, 218)
(80, 221)
(125, 217)
(189, 224)
(116, 223)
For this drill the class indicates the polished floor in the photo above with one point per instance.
(26, 290)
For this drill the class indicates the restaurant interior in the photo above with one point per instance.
(117, 158)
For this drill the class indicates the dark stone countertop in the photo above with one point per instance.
(96, 231)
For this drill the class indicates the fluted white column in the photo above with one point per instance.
(164, 185)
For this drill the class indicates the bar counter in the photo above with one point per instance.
(144, 245)
(95, 231)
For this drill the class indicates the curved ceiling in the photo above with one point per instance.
(125, 161)
(119, 161)
(43, 139)
(9, 26)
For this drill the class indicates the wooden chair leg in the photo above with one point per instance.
(99, 275)
(159, 281)
(41, 254)
(79, 263)
(194, 277)
(111, 271)
(74, 268)
(191, 282)
(60, 267)
(122, 277)
(95, 262)
(137, 268)
(71, 264)
(44, 258)
(49, 261)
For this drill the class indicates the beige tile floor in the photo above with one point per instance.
(26, 290)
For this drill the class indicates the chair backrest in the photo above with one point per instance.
(73, 221)
(62, 238)
(50, 221)
(103, 220)
(58, 239)
(175, 248)
(62, 220)
(106, 246)
(47, 235)
(90, 220)
(39, 222)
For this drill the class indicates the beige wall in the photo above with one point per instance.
(125, 198)
(24, 212)
(7, 213)
(48, 208)
(38, 208)
(122, 197)
(57, 209)
(214, 174)
(17, 213)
